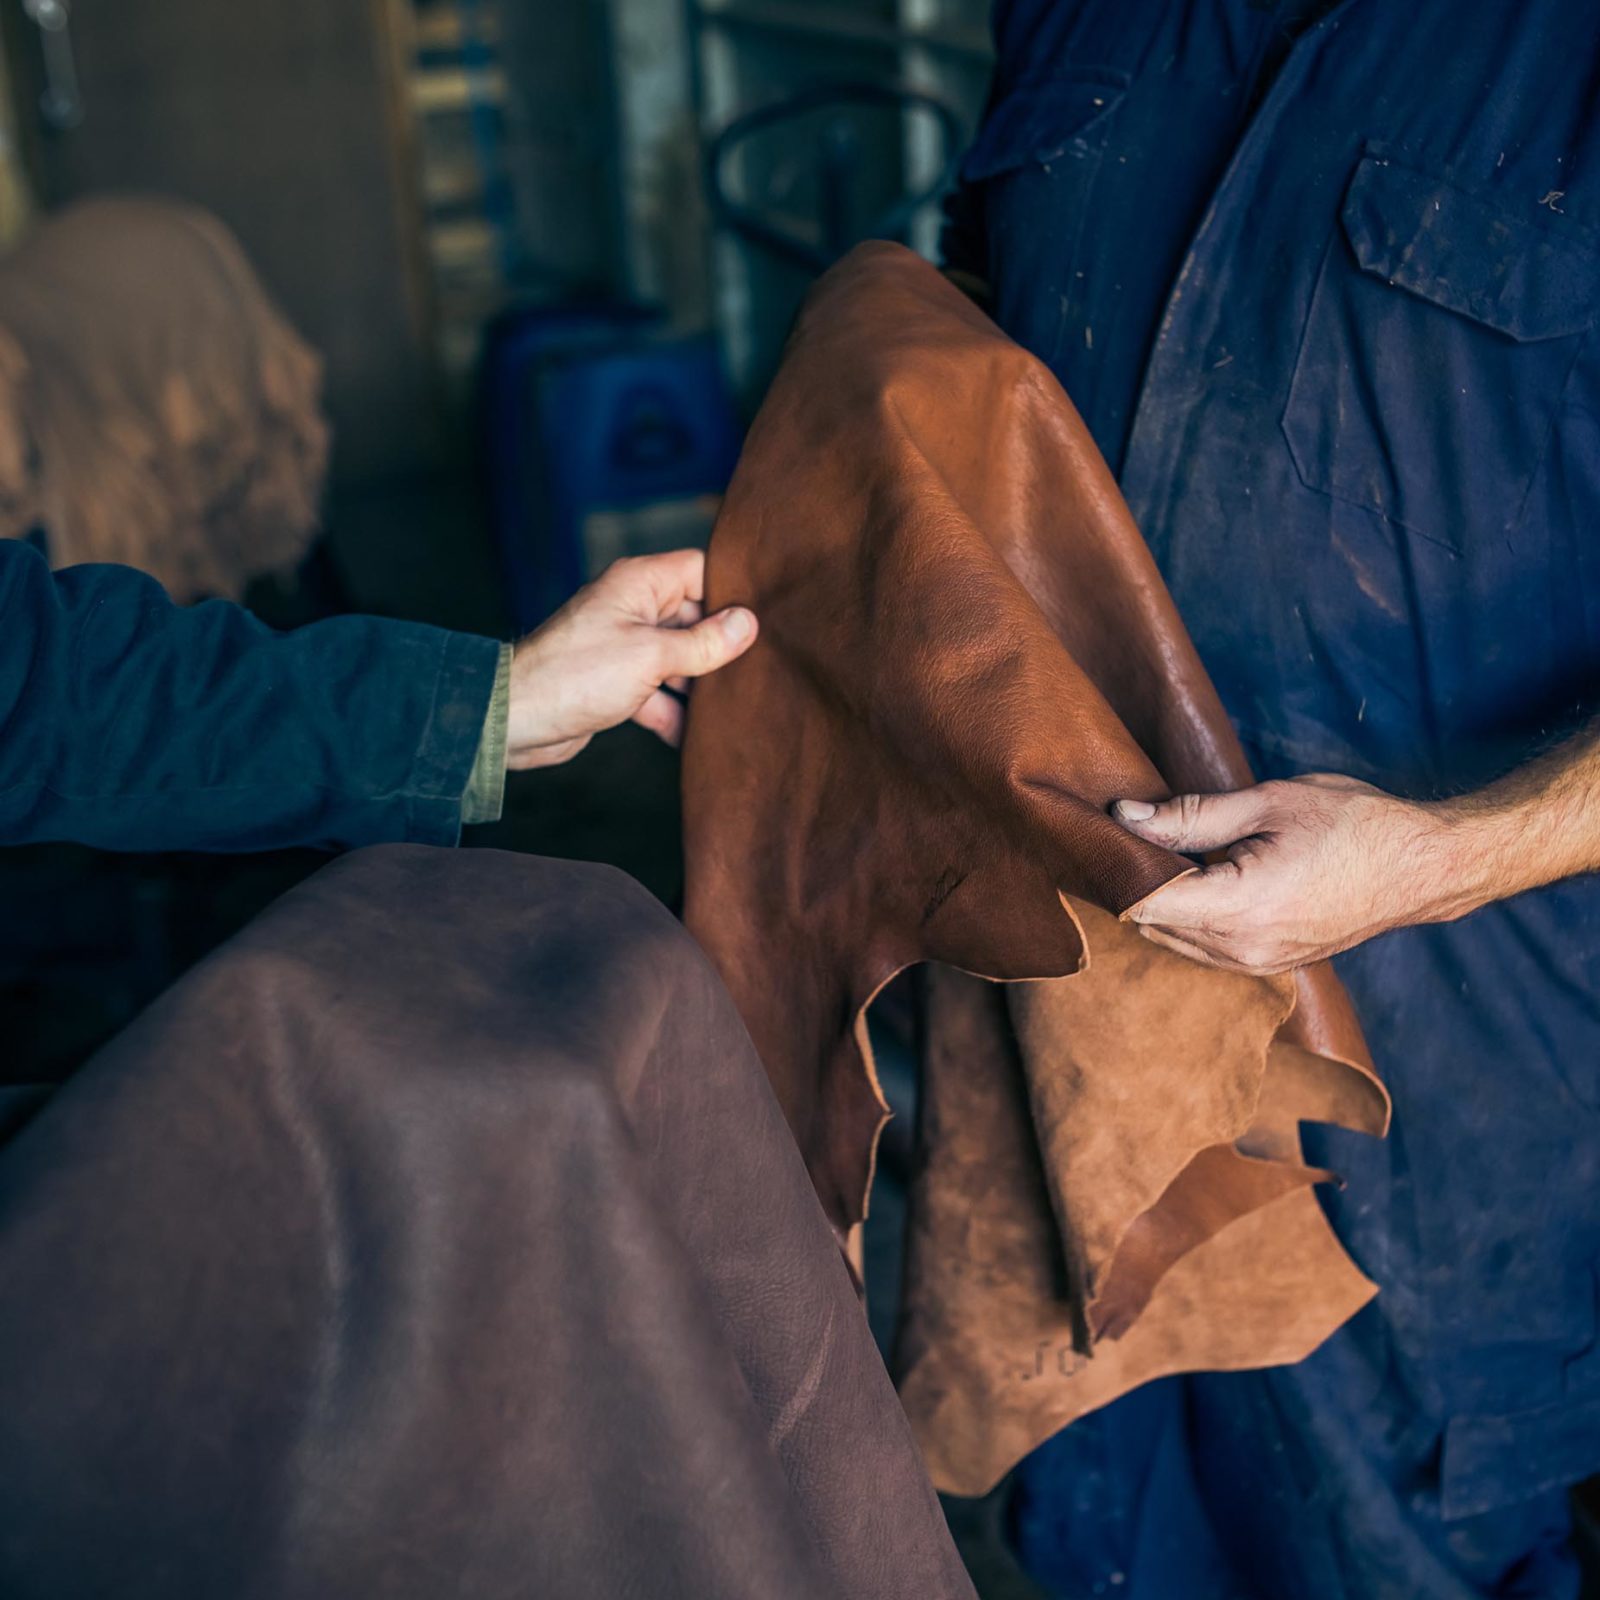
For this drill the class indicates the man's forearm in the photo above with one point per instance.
(1317, 864)
(1535, 826)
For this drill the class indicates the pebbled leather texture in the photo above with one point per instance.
(441, 1236)
(966, 654)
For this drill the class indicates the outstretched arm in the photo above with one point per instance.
(129, 723)
(1315, 865)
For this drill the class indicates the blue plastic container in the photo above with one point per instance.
(605, 438)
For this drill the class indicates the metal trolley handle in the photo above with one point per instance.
(61, 102)
(837, 165)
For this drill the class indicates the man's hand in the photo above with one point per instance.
(1314, 865)
(622, 649)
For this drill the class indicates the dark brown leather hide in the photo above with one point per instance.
(966, 655)
(441, 1236)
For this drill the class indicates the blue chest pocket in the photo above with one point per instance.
(1034, 164)
(1441, 333)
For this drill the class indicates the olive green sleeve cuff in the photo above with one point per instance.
(484, 797)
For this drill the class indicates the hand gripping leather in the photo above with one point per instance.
(966, 654)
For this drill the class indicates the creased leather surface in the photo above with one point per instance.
(441, 1236)
(966, 654)
(155, 407)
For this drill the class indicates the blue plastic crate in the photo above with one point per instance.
(604, 438)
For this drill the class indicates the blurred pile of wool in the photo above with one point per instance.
(155, 406)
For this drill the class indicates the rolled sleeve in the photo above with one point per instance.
(486, 787)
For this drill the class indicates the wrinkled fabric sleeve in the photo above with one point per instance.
(129, 723)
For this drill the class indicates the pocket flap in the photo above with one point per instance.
(1037, 120)
(1468, 254)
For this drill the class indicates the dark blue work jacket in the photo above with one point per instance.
(129, 723)
(1325, 292)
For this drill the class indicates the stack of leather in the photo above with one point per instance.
(155, 407)
(966, 655)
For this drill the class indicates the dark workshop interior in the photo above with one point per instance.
(546, 253)
(452, 303)
(540, 335)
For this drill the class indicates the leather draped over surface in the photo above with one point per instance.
(441, 1236)
(155, 407)
(966, 655)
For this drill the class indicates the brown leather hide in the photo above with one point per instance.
(440, 1236)
(966, 655)
(155, 407)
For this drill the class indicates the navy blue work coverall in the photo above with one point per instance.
(133, 724)
(1324, 282)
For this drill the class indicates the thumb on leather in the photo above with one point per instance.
(1194, 822)
(711, 643)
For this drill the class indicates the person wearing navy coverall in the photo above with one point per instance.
(1323, 280)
